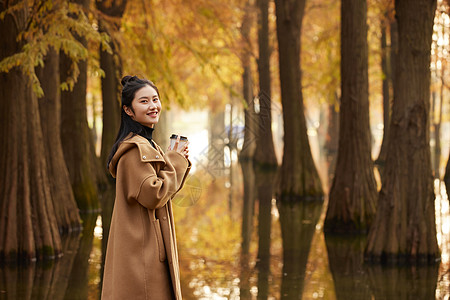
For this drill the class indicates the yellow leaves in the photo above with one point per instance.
(51, 24)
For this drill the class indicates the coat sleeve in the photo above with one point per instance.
(151, 189)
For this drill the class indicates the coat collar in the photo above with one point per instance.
(147, 153)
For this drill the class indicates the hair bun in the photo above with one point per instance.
(127, 79)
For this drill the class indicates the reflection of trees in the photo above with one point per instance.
(264, 186)
(108, 196)
(247, 225)
(346, 258)
(79, 280)
(401, 283)
(298, 222)
(42, 280)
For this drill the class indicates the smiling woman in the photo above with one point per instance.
(145, 110)
(141, 256)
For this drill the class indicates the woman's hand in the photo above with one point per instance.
(183, 150)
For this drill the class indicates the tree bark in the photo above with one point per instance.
(404, 226)
(75, 134)
(28, 226)
(352, 200)
(66, 208)
(299, 178)
(265, 150)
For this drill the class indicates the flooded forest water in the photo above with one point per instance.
(282, 253)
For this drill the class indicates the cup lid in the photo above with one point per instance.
(182, 138)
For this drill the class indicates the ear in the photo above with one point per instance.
(128, 111)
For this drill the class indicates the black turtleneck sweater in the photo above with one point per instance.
(147, 132)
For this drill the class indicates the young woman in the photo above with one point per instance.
(141, 256)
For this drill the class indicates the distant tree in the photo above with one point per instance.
(299, 178)
(265, 151)
(404, 225)
(388, 55)
(352, 200)
(75, 134)
(110, 16)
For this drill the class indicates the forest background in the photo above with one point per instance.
(61, 64)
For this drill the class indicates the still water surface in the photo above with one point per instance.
(218, 262)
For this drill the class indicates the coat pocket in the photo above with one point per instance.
(159, 239)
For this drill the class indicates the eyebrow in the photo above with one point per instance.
(146, 97)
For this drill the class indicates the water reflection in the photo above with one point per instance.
(346, 263)
(298, 222)
(248, 210)
(402, 283)
(237, 255)
(265, 177)
(64, 278)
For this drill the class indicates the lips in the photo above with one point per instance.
(152, 114)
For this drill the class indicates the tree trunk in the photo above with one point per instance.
(251, 119)
(265, 151)
(75, 135)
(332, 140)
(299, 178)
(386, 78)
(110, 64)
(216, 156)
(352, 200)
(28, 225)
(437, 127)
(66, 208)
(248, 148)
(404, 225)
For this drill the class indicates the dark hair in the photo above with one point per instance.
(130, 84)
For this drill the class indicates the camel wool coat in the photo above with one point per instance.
(141, 256)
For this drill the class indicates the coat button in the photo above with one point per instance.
(157, 156)
(144, 157)
(164, 218)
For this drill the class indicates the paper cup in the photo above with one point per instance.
(173, 139)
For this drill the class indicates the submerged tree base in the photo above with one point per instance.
(340, 227)
(402, 259)
(298, 199)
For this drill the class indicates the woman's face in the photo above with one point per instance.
(146, 107)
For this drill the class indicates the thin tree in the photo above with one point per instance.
(299, 178)
(386, 90)
(109, 23)
(265, 150)
(352, 201)
(404, 225)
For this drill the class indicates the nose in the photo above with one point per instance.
(152, 105)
